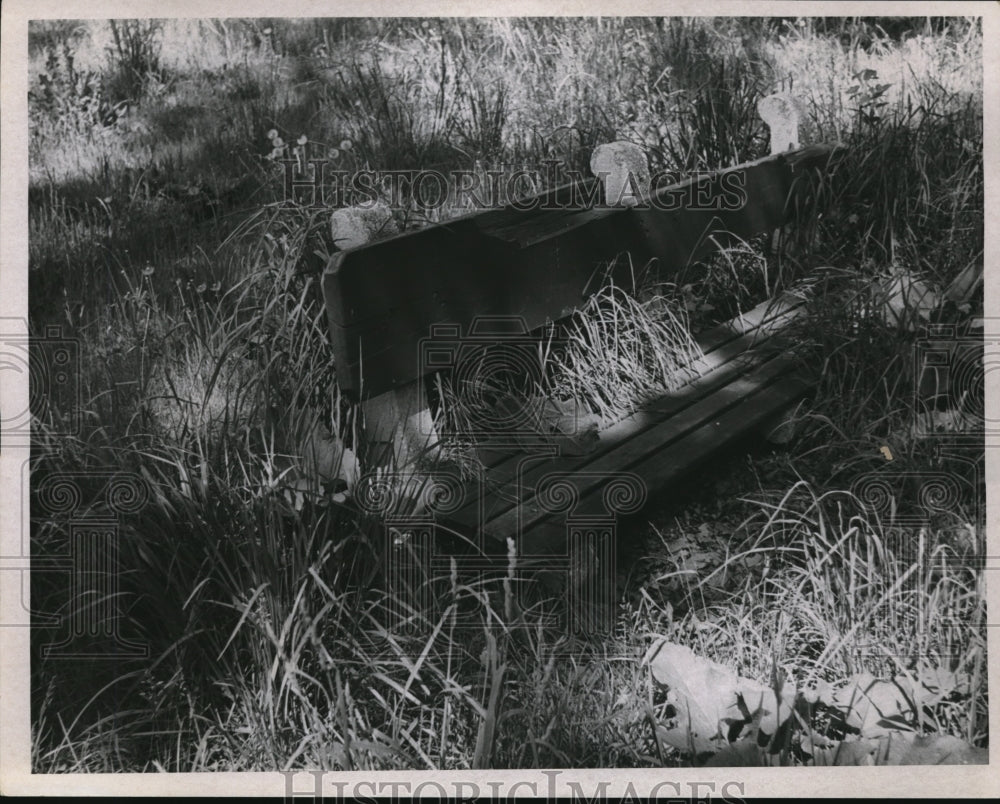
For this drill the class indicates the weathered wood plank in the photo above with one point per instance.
(625, 444)
(727, 355)
(659, 468)
(769, 316)
(384, 299)
(502, 483)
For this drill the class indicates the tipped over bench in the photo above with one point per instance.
(403, 309)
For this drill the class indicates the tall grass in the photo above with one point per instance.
(157, 238)
(622, 351)
(819, 587)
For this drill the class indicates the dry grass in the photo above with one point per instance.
(156, 239)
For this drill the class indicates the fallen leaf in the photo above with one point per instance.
(872, 706)
(905, 300)
(705, 690)
(743, 753)
(849, 752)
(930, 684)
(324, 456)
(936, 749)
(902, 749)
(770, 708)
(711, 698)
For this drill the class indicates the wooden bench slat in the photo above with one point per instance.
(625, 443)
(730, 350)
(719, 345)
(659, 468)
(645, 432)
(774, 312)
(501, 478)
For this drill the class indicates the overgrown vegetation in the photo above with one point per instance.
(157, 238)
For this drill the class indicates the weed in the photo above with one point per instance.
(159, 238)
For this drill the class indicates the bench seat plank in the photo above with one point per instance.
(661, 468)
(719, 345)
(743, 359)
(641, 437)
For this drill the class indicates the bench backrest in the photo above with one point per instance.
(537, 262)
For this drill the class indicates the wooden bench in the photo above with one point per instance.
(390, 302)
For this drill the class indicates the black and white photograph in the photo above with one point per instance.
(498, 391)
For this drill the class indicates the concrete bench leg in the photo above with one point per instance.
(399, 427)
(781, 111)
